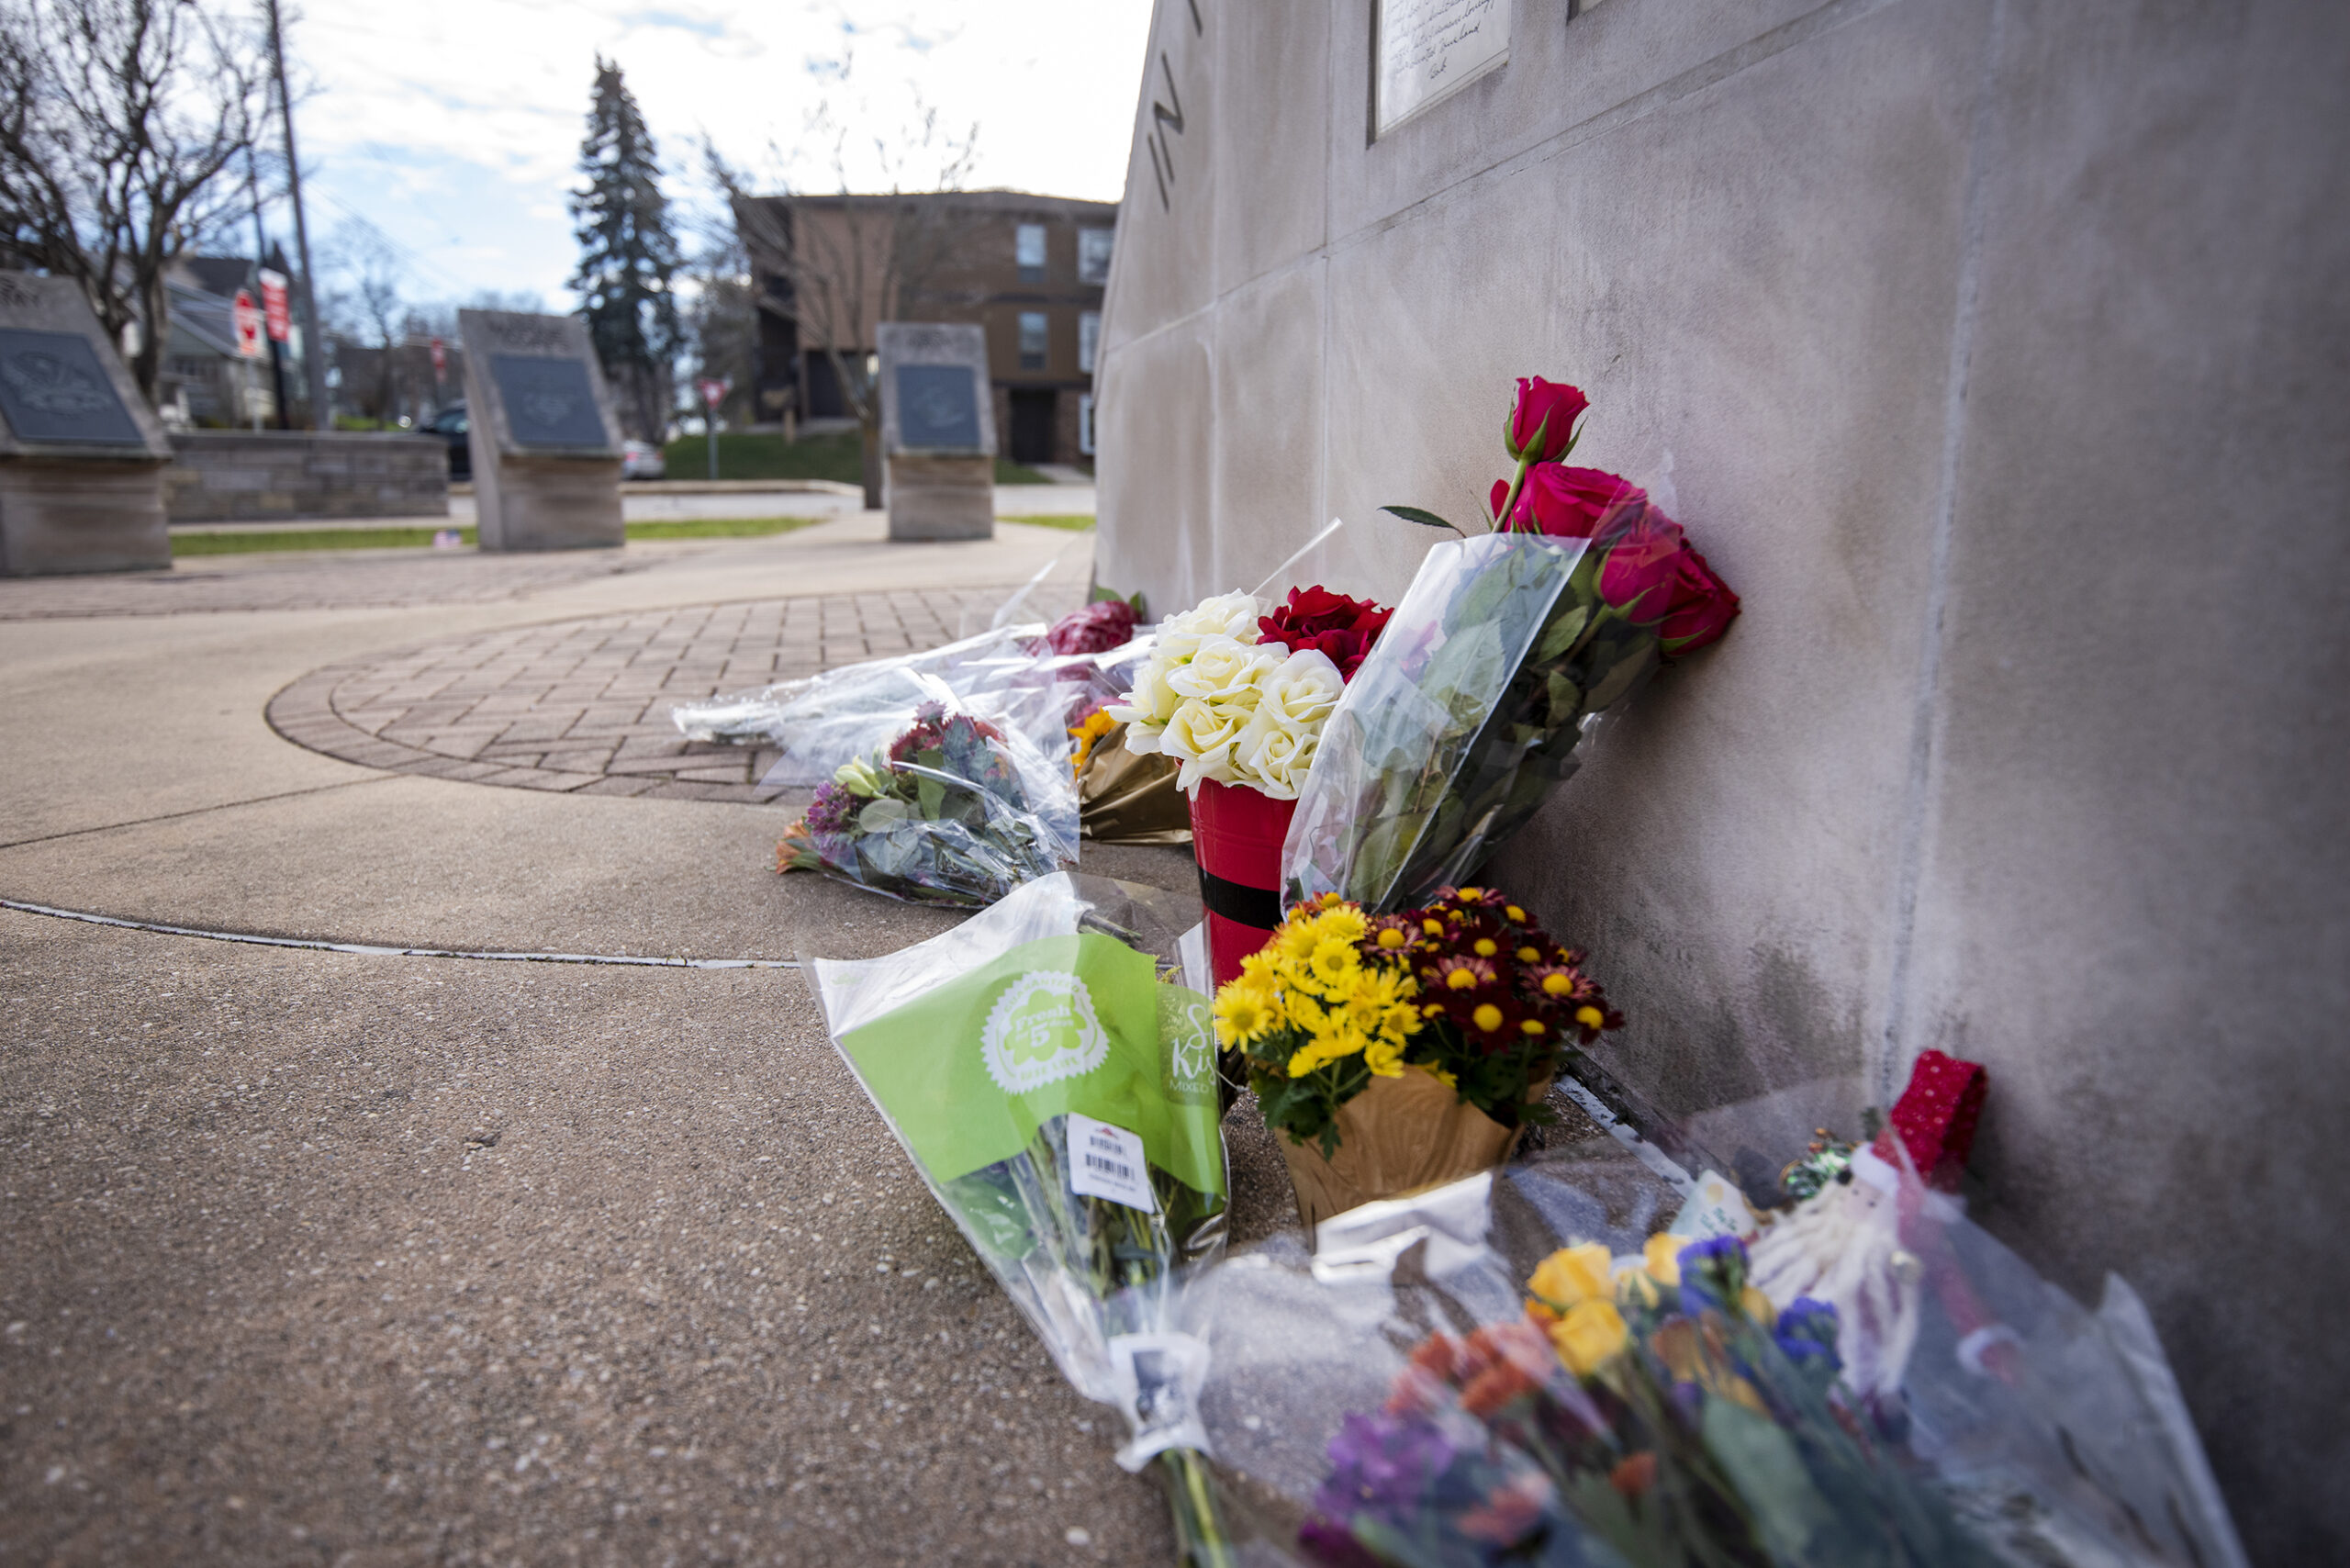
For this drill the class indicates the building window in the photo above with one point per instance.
(1033, 340)
(1088, 338)
(1030, 253)
(1085, 423)
(1094, 255)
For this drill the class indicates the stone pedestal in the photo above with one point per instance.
(80, 516)
(545, 442)
(82, 454)
(937, 430)
(941, 497)
(548, 503)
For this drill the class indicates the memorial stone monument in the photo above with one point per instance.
(546, 446)
(937, 430)
(1995, 354)
(81, 454)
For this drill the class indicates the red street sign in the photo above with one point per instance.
(712, 392)
(439, 356)
(248, 321)
(274, 312)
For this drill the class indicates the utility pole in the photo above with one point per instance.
(314, 343)
(261, 261)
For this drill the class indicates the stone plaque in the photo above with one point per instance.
(549, 402)
(938, 408)
(1429, 50)
(52, 388)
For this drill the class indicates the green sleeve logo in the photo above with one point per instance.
(1041, 1030)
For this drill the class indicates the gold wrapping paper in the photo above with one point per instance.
(1126, 798)
(1399, 1136)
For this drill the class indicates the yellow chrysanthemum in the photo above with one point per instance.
(1245, 1013)
(1298, 936)
(1336, 965)
(1345, 923)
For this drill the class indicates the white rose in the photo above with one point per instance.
(1301, 691)
(1273, 757)
(1230, 615)
(1200, 732)
(1225, 670)
(1152, 702)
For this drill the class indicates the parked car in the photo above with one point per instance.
(452, 425)
(642, 460)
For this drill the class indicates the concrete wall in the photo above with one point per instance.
(267, 475)
(1997, 350)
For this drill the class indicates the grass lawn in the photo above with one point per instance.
(1076, 522)
(242, 544)
(764, 454)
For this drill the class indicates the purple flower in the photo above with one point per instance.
(1807, 1332)
(1713, 1274)
(831, 813)
(1382, 1465)
(1332, 1545)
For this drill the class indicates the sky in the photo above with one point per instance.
(453, 126)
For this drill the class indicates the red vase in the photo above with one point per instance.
(1236, 835)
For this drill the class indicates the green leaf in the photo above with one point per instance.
(1560, 634)
(1428, 519)
(931, 795)
(1611, 687)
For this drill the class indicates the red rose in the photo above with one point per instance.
(1643, 565)
(1340, 628)
(1571, 503)
(1547, 408)
(1703, 606)
(1096, 629)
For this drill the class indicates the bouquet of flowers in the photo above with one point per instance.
(1496, 665)
(1397, 1051)
(1059, 1100)
(954, 810)
(1239, 694)
(1035, 679)
(1653, 1410)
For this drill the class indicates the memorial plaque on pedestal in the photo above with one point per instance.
(81, 454)
(546, 446)
(937, 430)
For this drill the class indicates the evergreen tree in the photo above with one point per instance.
(627, 256)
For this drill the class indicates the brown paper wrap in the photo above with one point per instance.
(1401, 1135)
(1126, 798)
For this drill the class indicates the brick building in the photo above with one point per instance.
(1030, 269)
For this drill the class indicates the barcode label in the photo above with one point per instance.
(1106, 1161)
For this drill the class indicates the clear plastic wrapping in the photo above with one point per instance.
(1389, 1398)
(1472, 707)
(954, 808)
(1008, 674)
(1059, 1099)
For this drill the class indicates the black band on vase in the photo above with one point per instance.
(1237, 902)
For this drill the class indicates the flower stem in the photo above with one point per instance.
(1501, 518)
(1199, 1540)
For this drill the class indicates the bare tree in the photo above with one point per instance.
(365, 306)
(119, 119)
(850, 262)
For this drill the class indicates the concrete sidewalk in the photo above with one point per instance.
(316, 1258)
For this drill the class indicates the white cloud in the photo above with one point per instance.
(454, 125)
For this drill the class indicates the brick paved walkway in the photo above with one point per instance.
(584, 705)
(327, 580)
